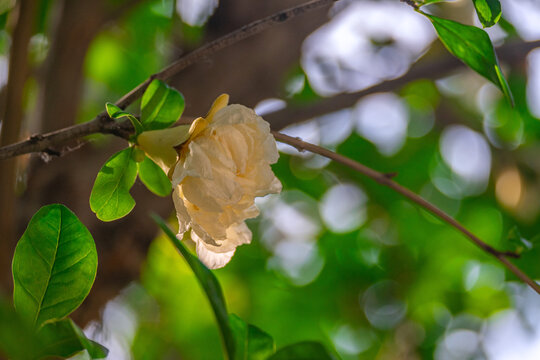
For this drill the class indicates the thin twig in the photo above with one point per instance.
(102, 123)
(383, 179)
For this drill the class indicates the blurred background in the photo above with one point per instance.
(335, 257)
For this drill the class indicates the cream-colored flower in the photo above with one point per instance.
(222, 167)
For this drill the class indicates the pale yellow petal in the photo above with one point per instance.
(211, 259)
(221, 101)
(159, 144)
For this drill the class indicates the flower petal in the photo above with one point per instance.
(159, 144)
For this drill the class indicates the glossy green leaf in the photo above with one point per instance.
(306, 350)
(54, 265)
(116, 113)
(161, 106)
(251, 342)
(110, 198)
(154, 178)
(63, 338)
(211, 287)
(472, 46)
(488, 11)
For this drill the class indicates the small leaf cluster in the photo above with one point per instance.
(242, 341)
(54, 267)
(471, 44)
(161, 107)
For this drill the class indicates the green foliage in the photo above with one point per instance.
(517, 242)
(116, 113)
(110, 198)
(211, 287)
(252, 343)
(161, 106)
(63, 338)
(473, 46)
(154, 178)
(307, 350)
(17, 337)
(242, 341)
(54, 265)
(489, 11)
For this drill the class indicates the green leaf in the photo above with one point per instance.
(116, 113)
(251, 342)
(154, 178)
(211, 287)
(63, 338)
(427, 2)
(488, 11)
(161, 106)
(110, 198)
(306, 350)
(473, 46)
(54, 265)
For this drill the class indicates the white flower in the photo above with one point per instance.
(222, 167)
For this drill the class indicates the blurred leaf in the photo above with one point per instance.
(251, 342)
(110, 198)
(488, 11)
(427, 2)
(63, 338)
(473, 46)
(161, 106)
(116, 113)
(211, 287)
(517, 242)
(17, 337)
(508, 27)
(154, 178)
(306, 350)
(54, 265)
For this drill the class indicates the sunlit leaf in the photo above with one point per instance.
(251, 342)
(116, 113)
(154, 178)
(63, 338)
(489, 11)
(54, 265)
(306, 350)
(210, 285)
(473, 46)
(110, 198)
(161, 106)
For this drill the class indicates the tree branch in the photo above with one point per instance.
(386, 180)
(511, 54)
(103, 124)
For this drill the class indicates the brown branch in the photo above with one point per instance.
(385, 180)
(511, 54)
(102, 123)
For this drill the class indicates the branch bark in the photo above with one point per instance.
(386, 180)
(102, 123)
(511, 54)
